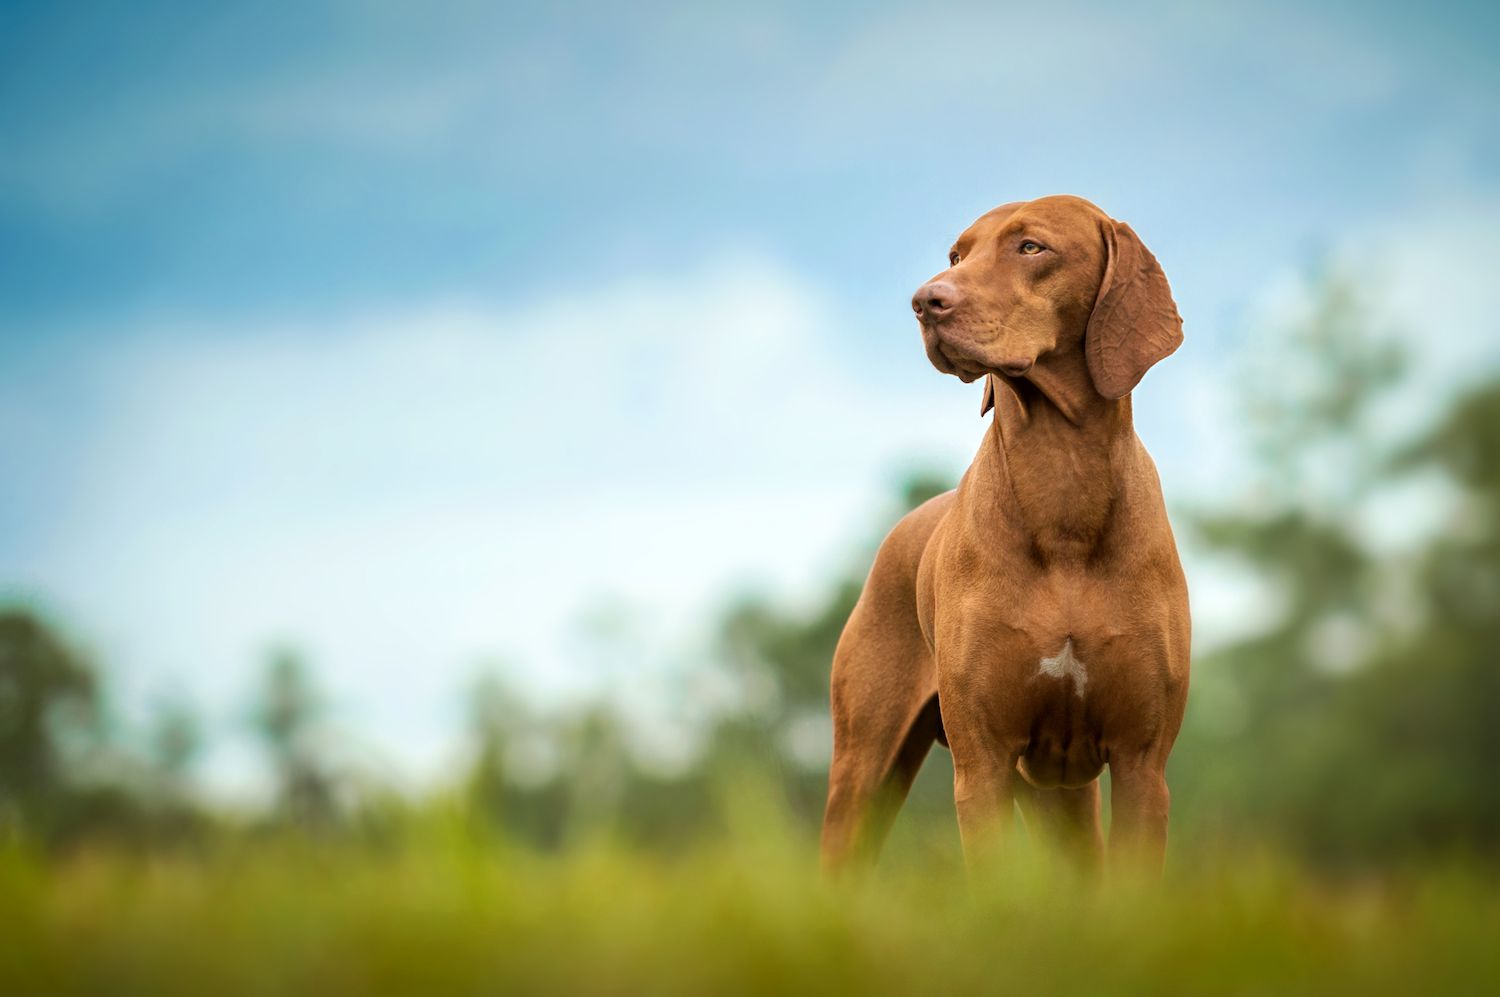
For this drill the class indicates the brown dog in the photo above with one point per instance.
(1034, 620)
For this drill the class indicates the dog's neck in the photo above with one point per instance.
(1056, 459)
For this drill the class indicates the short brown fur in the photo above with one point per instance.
(1055, 543)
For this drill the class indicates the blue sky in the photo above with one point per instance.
(416, 333)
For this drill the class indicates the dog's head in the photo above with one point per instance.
(1034, 281)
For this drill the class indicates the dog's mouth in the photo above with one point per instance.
(1029, 384)
(964, 367)
(953, 359)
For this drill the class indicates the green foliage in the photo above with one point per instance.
(48, 717)
(443, 911)
(288, 717)
(1357, 727)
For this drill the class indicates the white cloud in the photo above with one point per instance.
(405, 495)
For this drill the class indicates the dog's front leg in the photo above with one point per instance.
(984, 794)
(1139, 806)
(984, 758)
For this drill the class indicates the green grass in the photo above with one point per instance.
(443, 910)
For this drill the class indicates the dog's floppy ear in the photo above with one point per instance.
(1135, 322)
(988, 402)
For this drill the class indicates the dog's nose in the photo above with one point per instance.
(1015, 367)
(934, 299)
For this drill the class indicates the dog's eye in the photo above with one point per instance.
(1030, 248)
(953, 258)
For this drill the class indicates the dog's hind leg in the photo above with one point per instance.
(884, 697)
(867, 785)
(885, 718)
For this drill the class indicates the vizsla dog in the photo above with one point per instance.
(1035, 619)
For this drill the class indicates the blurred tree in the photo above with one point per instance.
(1357, 724)
(596, 756)
(1421, 713)
(174, 741)
(48, 712)
(494, 715)
(288, 717)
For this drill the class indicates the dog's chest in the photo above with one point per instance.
(1066, 666)
(1074, 635)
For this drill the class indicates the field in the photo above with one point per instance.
(443, 909)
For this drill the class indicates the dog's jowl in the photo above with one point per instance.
(1035, 619)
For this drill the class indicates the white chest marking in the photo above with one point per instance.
(1066, 665)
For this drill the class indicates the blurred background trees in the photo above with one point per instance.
(1353, 719)
(1355, 724)
(288, 716)
(48, 715)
